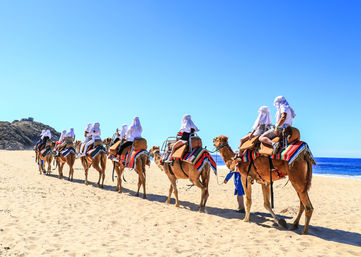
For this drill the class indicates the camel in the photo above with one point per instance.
(47, 158)
(300, 175)
(69, 159)
(140, 163)
(176, 171)
(99, 163)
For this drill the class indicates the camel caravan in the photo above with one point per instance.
(267, 154)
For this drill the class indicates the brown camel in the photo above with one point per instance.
(175, 171)
(99, 163)
(300, 175)
(140, 163)
(45, 159)
(69, 159)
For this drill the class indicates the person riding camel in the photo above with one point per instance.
(133, 131)
(95, 135)
(87, 138)
(61, 138)
(40, 139)
(262, 124)
(121, 135)
(66, 138)
(284, 116)
(188, 128)
(44, 138)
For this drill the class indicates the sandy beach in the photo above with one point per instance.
(44, 216)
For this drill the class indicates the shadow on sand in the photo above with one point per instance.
(259, 218)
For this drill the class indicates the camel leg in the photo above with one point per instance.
(205, 182)
(139, 184)
(86, 169)
(170, 194)
(140, 169)
(101, 175)
(60, 169)
(173, 181)
(266, 202)
(198, 183)
(308, 210)
(49, 166)
(248, 196)
(297, 220)
(119, 169)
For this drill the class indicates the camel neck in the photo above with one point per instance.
(227, 155)
(157, 157)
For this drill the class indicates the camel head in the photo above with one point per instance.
(153, 150)
(107, 141)
(220, 140)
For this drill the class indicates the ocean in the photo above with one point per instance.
(336, 167)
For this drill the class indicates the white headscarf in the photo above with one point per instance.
(279, 101)
(135, 129)
(70, 133)
(47, 133)
(88, 128)
(96, 127)
(123, 131)
(187, 124)
(264, 117)
(62, 135)
(42, 133)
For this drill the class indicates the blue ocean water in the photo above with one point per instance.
(344, 167)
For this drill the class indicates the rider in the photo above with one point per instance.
(188, 128)
(87, 138)
(40, 139)
(121, 135)
(262, 124)
(44, 138)
(133, 131)
(284, 117)
(94, 134)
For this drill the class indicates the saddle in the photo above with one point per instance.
(181, 151)
(95, 145)
(289, 135)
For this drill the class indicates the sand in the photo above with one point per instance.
(43, 216)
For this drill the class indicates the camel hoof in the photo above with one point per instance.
(137, 194)
(101, 186)
(144, 197)
(86, 183)
(245, 220)
(283, 223)
(304, 233)
(294, 226)
(177, 205)
(120, 191)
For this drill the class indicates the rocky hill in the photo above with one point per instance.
(23, 134)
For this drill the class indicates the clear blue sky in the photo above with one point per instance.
(67, 63)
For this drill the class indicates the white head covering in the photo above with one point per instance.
(264, 117)
(135, 129)
(123, 131)
(70, 133)
(47, 133)
(62, 135)
(88, 128)
(187, 124)
(42, 132)
(279, 101)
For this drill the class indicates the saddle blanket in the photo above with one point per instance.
(199, 157)
(67, 151)
(292, 152)
(129, 159)
(248, 155)
(45, 152)
(95, 151)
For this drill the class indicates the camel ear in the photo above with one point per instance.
(224, 138)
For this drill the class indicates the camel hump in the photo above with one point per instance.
(140, 143)
(196, 142)
(293, 134)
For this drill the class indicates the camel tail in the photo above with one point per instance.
(308, 175)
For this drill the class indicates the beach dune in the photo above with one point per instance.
(44, 216)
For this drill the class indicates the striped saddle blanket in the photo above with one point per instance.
(293, 151)
(199, 157)
(95, 151)
(129, 158)
(45, 151)
(67, 151)
(248, 155)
